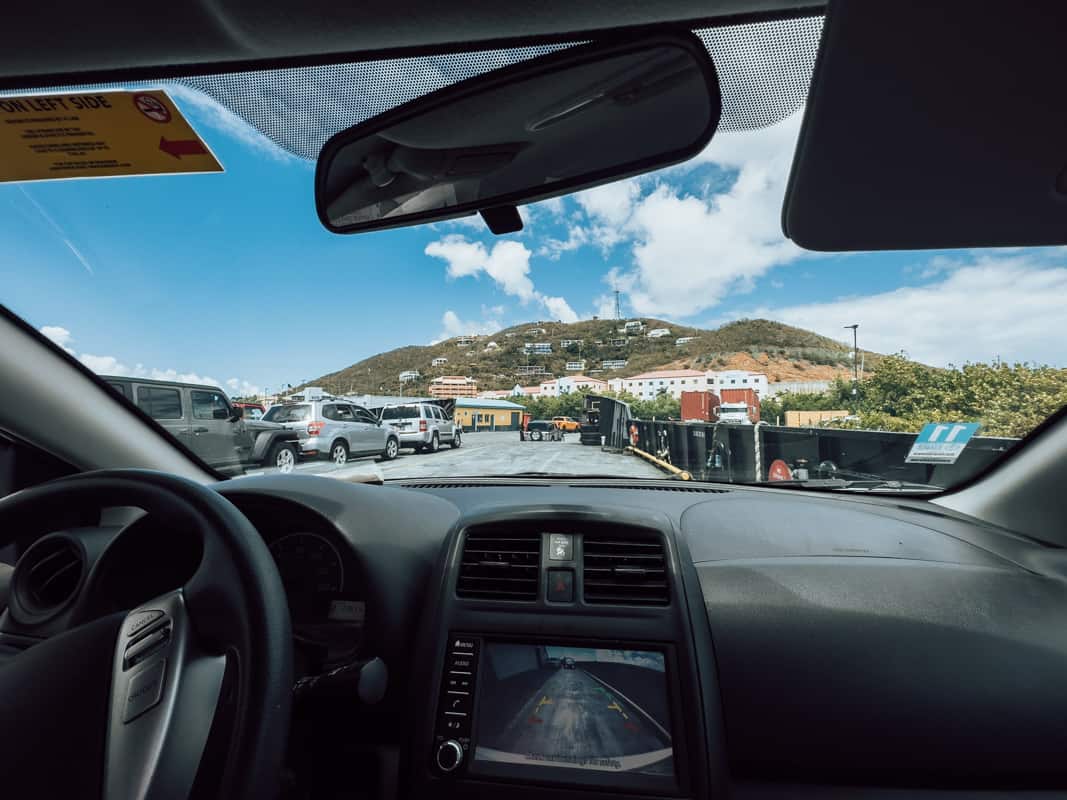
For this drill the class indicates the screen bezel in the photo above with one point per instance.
(635, 782)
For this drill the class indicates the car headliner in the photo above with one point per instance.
(69, 42)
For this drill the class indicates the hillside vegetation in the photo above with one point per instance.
(783, 352)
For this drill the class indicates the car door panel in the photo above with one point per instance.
(371, 434)
(214, 428)
(167, 406)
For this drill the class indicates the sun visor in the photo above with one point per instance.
(933, 125)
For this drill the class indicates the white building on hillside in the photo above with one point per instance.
(538, 348)
(648, 385)
(440, 361)
(575, 366)
(614, 363)
(659, 333)
(409, 375)
(578, 383)
(738, 379)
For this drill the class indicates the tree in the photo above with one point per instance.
(1008, 400)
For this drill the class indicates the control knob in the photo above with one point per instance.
(449, 755)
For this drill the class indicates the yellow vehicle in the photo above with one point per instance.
(567, 424)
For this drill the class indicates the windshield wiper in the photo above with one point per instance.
(857, 485)
(576, 476)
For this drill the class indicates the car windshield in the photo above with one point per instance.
(665, 314)
(539, 425)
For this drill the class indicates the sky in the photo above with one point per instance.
(231, 279)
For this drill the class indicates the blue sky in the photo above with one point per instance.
(231, 277)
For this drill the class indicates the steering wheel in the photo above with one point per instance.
(123, 706)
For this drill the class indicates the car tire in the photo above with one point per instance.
(339, 453)
(392, 449)
(282, 457)
(457, 439)
(435, 444)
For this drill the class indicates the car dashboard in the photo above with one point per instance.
(583, 638)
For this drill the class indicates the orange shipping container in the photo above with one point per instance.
(700, 407)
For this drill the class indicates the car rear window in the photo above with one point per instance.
(400, 412)
(287, 414)
(539, 425)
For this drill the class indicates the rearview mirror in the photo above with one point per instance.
(566, 121)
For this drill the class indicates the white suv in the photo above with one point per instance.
(424, 426)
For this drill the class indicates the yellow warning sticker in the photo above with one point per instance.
(97, 135)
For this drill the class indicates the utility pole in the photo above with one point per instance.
(855, 363)
(618, 305)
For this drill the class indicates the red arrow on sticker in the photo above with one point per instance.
(182, 147)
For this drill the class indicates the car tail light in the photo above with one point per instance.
(422, 426)
(314, 428)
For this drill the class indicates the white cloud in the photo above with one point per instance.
(452, 325)
(507, 263)
(559, 309)
(553, 248)
(111, 365)
(993, 306)
(690, 252)
(59, 335)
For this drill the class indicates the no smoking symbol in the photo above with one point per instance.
(151, 108)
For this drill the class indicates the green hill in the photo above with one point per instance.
(783, 352)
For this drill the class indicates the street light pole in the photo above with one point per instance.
(855, 361)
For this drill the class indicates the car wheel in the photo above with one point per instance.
(435, 444)
(282, 457)
(392, 448)
(457, 439)
(339, 453)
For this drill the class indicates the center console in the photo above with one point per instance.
(566, 664)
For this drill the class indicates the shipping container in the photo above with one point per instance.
(700, 407)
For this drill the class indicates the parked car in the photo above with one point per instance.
(423, 426)
(253, 411)
(204, 420)
(541, 430)
(336, 430)
(567, 424)
(568, 662)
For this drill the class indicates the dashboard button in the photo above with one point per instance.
(141, 620)
(461, 662)
(464, 644)
(458, 683)
(561, 586)
(458, 703)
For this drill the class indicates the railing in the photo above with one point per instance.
(735, 453)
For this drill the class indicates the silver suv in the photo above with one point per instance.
(336, 429)
(424, 426)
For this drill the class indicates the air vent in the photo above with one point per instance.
(47, 576)
(499, 565)
(624, 571)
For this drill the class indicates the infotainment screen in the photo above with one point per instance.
(581, 708)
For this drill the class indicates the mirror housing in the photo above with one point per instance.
(238, 413)
(567, 121)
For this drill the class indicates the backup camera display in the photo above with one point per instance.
(574, 707)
